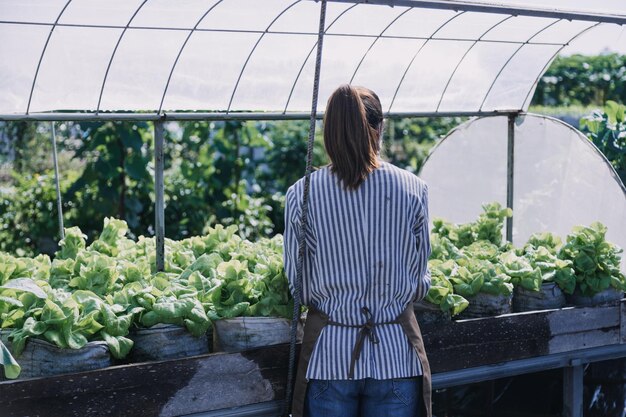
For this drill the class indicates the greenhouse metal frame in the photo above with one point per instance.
(463, 58)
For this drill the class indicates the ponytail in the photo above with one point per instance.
(352, 123)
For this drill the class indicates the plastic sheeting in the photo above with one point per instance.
(251, 55)
(560, 178)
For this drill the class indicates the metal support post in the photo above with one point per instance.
(159, 209)
(573, 391)
(56, 181)
(510, 151)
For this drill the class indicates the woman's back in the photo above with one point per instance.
(363, 249)
(366, 247)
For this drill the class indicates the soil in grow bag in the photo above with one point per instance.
(243, 333)
(41, 358)
(426, 312)
(608, 296)
(486, 305)
(549, 297)
(165, 341)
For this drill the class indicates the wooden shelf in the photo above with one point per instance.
(459, 351)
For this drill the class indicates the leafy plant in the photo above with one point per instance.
(103, 290)
(12, 369)
(583, 80)
(607, 130)
(596, 262)
(28, 213)
(441, 291)
(487, 227)
(521, 271)
(116, 180)
(541, 251)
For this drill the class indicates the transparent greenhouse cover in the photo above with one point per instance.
(258, 55)
(560, 179)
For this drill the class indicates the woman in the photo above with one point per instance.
(367, 247)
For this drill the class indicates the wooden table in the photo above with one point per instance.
(253, 382)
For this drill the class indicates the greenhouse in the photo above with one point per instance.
(159, 61)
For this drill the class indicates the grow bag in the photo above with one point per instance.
(41, 358)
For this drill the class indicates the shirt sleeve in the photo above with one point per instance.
(291, 246)
(423, 245)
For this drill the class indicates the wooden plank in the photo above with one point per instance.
(222, 381)
(584, 340)
(510, 327)
(487, 353)
(573, 391)
(266, 409)
(525, 334)
(572, 320)
(520, 326)
(167, 388)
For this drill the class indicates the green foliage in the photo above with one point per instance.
(31, 146)
(596, 262)
(100, 291)
(116, 180)
(28, 213)
(11, 368)
(487, 227)
(607, 130)
(468, 259)
(227, 173)
(441, 290)
(521, 271)
(542, 251)
(583, 80)
(407, 142)
(284, 159)
(211, 179)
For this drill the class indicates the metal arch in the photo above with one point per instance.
(416, 54)
(293, 86)
(580, 135)
(493, 8)
(180, 51)
(119, 40)
(43, 51)
(458, 64)
(276, 32)
(374, 42)
(534, 85)
(245, 64)
(482, 103)
(221, 116)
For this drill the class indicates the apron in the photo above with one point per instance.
(315, 322)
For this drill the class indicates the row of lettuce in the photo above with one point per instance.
(104, 290)
(472, 258)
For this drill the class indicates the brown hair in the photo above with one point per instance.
(352, 124)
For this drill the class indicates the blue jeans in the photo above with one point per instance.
(363, 398)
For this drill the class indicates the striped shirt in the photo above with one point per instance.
(364, 248)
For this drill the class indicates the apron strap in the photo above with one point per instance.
(315, 322)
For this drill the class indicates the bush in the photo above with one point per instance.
(28, 213)
(607, 130)
(583, 80)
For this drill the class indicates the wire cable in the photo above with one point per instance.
(304, 215)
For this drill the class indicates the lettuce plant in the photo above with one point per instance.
(595, 261)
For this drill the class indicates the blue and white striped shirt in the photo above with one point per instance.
(364, 248)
